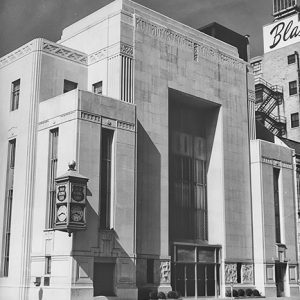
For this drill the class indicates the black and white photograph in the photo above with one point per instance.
(150, 149)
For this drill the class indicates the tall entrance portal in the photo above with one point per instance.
(195, 264)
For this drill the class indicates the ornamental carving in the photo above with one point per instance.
(90, 117)
(247, 273)
(276, 163)
(125, 125)
(126, 49)
(97, 56)
(165, 272)
(20, 52)
(198, 48)
(64, 52)
(162, 32)
(230, 273)
(251, 95)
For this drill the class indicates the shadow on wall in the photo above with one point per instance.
(107, 266)
(148, 213)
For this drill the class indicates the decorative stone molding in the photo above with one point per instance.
(64, 52)
(276, 163)
(247, 273)
(199, 49)
(97, 56)
(109, 122)
(251, 95)
(230, 273)
(126, 49)
(126, 126)
(90, 117)
(18, 53)
(57, 120)
(165, 272)
(12, 132)
(202, 50)
(162, 32)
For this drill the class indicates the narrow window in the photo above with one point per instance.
(295, 120)
(15, 94)
(276, 204)
(48, 265)
(293, 87)
(97, 88)
(150, 270)
(52, 163)
(8, 205)
(291, 59)
(69, 86)
(106, 162)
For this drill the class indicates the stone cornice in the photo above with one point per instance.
(65, 52)
(198, 48)
(17, 54)
(276, 163)
(86, 116)
(46, 47)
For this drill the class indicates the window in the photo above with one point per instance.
(8, 206)
(150, 270)
(276, 204)
(48, 265)
(69, 86)
(256, 67)
(97, 88)
(51, 177)
(295, 120)
(291, 59)
(282, 5)
(15, 94)
(293, 87)
(106, 162)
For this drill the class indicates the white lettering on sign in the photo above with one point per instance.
(282, 33)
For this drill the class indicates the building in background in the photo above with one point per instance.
(277, 82)
(158, 117)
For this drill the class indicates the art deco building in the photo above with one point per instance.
(158, 117)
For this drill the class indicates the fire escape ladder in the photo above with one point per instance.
(268, 97)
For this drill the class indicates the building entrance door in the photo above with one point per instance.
(280, 269)
(195, 271)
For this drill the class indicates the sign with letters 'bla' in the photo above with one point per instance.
(282, 33)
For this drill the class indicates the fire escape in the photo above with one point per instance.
(267, 98)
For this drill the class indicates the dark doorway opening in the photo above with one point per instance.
(103, 281)
(280, 269)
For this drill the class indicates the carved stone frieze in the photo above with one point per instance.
(20, 52)
(165, 272)
(90, 117)
(247, 273)
(230, 273)
(97, 56)
(162, 32)
(199, 49)
(64, 52)
(276, 163)
(126, 126)
(126, 49)
(251, 95)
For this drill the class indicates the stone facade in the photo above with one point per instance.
(150, 96)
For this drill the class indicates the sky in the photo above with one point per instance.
(23, 20)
